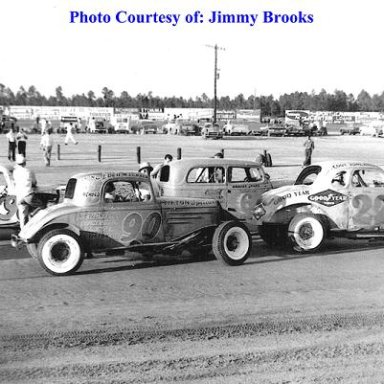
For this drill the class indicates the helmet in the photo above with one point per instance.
(144, 165)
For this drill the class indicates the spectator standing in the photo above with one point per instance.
(69, 135)
(46, 145)
(309, 146)
(91, 125)
(21, 139)
(156, 171)
(25, 185)
(11, 137)
(43, 125)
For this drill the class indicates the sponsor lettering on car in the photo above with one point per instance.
(328, 198)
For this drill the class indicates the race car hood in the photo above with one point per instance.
(43, 217)
(276, 199)
(285, 193)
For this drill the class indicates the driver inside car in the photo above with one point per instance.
(110, 193)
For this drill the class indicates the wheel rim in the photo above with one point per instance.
(236, 243)
(308, 233)
(61, 253)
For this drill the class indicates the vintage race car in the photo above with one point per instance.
(8, 203)
(119, 211)
(236, 184)
(334, 198)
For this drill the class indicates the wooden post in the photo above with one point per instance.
(58, 152)
(178, 153)
(138, 155)
(99, 153)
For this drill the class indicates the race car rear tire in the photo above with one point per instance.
(32, 250)
(232, 243)
(307, 232)
(60, 252)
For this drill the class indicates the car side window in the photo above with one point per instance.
(164, 173)
(215, 175)
(122, 191)
(358, 180)
(244, 174)
(370, 178)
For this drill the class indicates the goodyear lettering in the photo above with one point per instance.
(328, 198)
(280, 199)
(300, 193)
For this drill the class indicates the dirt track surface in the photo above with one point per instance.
(280, 318)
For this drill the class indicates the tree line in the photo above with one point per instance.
(269, 106)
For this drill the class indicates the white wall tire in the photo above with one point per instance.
(60, 252)
(232, 243)
(306, 232)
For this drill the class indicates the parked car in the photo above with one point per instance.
(101, 126)
(148, 127)
(212, 131)
(119, 211)
(123, 124)
(350, 129)
(189, 128)
(277, 130)
(236, 129)
(334, 198)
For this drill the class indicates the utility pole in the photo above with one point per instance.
(216, 77)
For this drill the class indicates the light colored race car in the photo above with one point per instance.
(334, 198)
(120, 212)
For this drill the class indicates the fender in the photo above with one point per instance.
(51, 226)
(285, 214)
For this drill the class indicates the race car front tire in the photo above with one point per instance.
(60, 252)
(232, 243)
(307, 232)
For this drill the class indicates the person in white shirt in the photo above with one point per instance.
(46, 145)
(43, 124)
(25, 185)
(21, 139)
(11, 137)
(69, 135)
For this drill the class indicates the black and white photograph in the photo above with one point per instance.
(191, 192)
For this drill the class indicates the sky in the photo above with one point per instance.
(340, 49)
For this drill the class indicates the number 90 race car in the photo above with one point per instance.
(328, 199)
